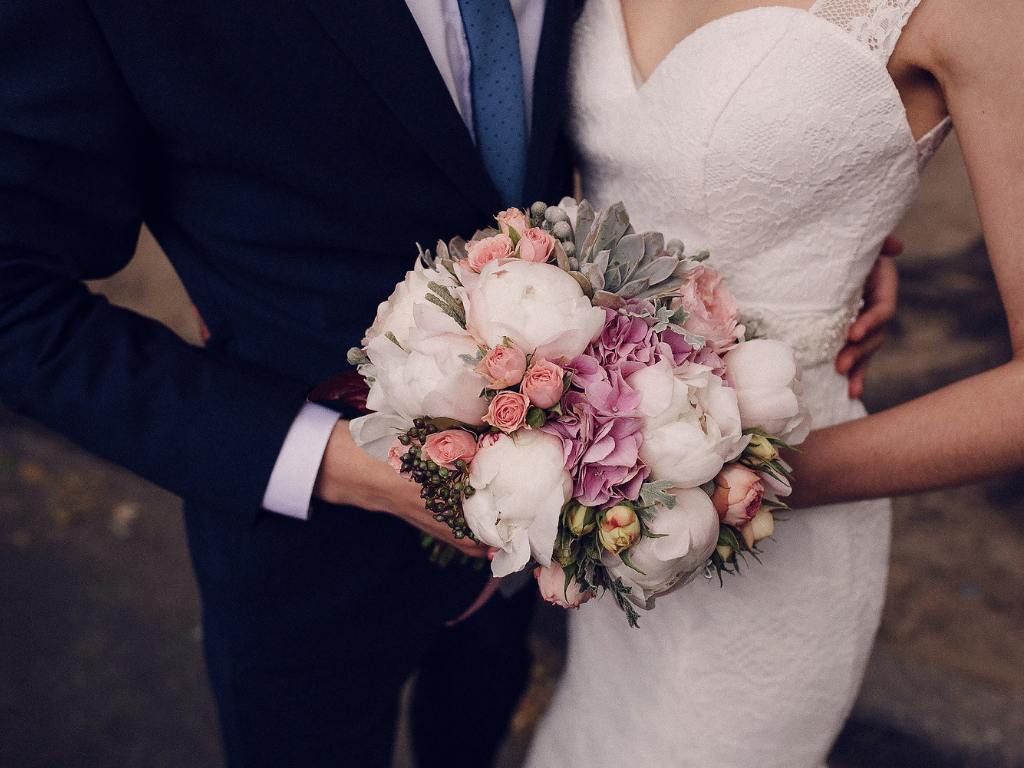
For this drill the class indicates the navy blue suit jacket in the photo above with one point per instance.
(287, 154)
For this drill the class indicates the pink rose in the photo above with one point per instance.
(508, 411)
(738, 495)
(480, 253)
(536, 245)
(544, 383)
(712, 310)
(503, 366)
(395, 454)
(513, 218)
(445, 448)
(551, 582)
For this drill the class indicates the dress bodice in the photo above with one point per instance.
(773, 137)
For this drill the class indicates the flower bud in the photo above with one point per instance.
(762, 526)
(580, 520)
(738, 494)
(761, 449)
(556, 590)
(620, 528)
(725, 552)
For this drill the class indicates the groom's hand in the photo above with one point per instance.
(350, 477)
(867, 334)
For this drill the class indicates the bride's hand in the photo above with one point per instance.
(867, 335)
(350, 477)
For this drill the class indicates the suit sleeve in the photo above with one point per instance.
(74, 154)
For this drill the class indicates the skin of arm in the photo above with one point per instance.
(970, 430)
(350, 477)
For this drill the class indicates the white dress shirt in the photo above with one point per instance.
(291, 482)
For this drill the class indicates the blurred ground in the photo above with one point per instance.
(99, 624)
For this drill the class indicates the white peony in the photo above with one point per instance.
(766, 377)
(689, 534)
(407, 307)
(691, 423)
(520, 489)
(435, 378)
(539, 306)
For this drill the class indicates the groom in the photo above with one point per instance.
(287, 154)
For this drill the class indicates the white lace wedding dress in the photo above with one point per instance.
(776, 138)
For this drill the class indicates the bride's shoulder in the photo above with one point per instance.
(962, 37)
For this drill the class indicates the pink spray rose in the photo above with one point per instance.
(738, 495)
(551, 582)
(712, 310)
(544, 383)
(536, 245)
(480, 253)
(507, 411)
(395, 453)
(503, 366)
(513, 218)
(445, 448)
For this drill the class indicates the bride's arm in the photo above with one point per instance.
(973, 429)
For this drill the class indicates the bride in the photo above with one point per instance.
(788, 140)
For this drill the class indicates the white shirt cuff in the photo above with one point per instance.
(291, 483)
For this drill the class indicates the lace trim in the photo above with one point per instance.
(929, 144)
(876, 23)
(816, 337)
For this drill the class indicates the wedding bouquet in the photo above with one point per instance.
(574, 394)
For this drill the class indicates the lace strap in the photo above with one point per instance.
(878, 24)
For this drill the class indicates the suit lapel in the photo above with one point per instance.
(382, 41)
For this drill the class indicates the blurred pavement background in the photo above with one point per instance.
(100, 660)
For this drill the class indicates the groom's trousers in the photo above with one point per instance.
(312, 628)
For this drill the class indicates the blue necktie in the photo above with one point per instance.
(499, 112)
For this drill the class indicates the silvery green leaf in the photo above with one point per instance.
(627, 253)
(654, 246)
(584, 223)
(701, 256)
(659, 270)
(613, 278)
(633, 289)
(574, 264)
(594, 275)
(561, 258)
(441, 250)
(472, 359)
(609, 227)
(585, 284)
(609, 300)
(457, 249)
(663, 289)
(657, 493)
(680, 316)
(394, 339)
(600, 260)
